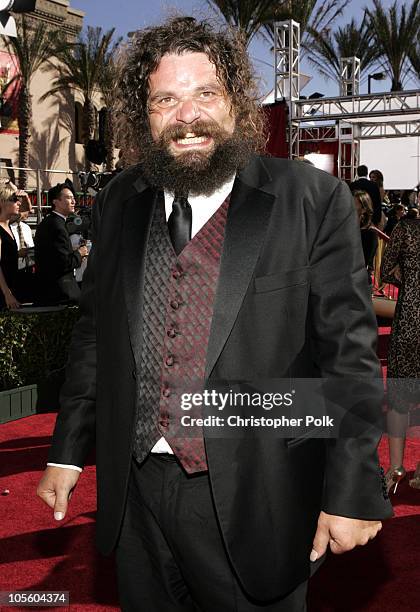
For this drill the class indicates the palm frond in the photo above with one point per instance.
(328, 47)
(32, 47)
(312, 15)
(247, 15)
(395, 31)
(80, 64)
(414, 57)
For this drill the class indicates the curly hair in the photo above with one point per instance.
(224, 48)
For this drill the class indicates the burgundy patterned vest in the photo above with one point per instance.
(178, 304)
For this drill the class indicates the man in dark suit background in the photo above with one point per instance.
(211, 263)
(55, 259)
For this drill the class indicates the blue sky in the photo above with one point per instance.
(128, 15)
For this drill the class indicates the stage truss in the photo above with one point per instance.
(346, 119)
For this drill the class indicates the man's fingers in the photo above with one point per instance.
(55, 489)
(342, 546)
(61, 502)
(48, 496)
(346, 534)
(321, 539)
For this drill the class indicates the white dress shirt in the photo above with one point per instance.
(203, 207)
(27, 236)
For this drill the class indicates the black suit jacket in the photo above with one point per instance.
(292, 300)
(55, 262)
(372, 189)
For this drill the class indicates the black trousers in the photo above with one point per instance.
(171, 557)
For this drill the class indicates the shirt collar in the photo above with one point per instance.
(59, 215)
(217, 197)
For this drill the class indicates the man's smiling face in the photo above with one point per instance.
(189, 110)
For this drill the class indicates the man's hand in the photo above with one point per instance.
(342, 534)
(83, 251)
(55, 488)
(25, 202)
(11, 301)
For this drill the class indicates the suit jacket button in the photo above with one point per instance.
(134, 373)
(169, 361)
(174, 304)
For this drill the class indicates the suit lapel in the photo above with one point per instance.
(137, 218)
(247, 221)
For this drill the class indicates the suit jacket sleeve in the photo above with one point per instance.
(65, 259)
(74, 432)
(343, 344)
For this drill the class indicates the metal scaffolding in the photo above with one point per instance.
(287, 65)
(286, 58)
(346, 119)
(362, 106)
(350, 76)
(356, 118)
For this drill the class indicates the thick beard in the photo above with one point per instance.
(194, 172)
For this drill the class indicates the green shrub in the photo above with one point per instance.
(33, 346)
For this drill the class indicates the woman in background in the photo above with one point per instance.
(401, 266)
(9, 209)
(377, 177)
(364, 207)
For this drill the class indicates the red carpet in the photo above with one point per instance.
(35, 554)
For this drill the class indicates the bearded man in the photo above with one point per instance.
(211, 263)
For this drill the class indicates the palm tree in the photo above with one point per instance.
(414, 57)
(32, 48)
(246, 15)
(80, 66)
(252, 16)
(328, 48)
(109, 84)
(312, 15)
(396, 31)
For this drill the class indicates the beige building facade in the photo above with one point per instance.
(56, 131)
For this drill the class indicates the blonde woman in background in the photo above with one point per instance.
(9, 209)
(364, 207)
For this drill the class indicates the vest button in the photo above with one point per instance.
(175, 304)
(171, 333)
(176, 274)
(164, 422)
(169, 360)
(166, 392)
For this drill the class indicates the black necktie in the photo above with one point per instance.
(180, 223)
